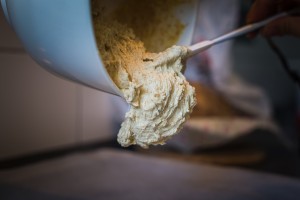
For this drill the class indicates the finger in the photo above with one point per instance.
(284, 26)
(260, 10)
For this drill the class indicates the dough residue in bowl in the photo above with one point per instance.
(160, 98)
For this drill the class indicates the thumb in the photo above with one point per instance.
(284, 26)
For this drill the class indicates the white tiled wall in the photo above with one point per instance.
(39, 111)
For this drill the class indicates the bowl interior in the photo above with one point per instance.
(159, 25)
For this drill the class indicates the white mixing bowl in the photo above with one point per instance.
(59, 35)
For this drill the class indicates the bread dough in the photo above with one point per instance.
(160, 98)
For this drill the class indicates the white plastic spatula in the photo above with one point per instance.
(204, 45)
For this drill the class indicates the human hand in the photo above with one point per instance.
(262, 9)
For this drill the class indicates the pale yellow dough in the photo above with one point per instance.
(153, 84)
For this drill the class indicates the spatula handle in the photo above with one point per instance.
(204, 45)
(247, 29)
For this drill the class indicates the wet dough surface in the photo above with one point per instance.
(160, 98)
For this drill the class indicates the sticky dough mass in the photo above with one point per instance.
(160, 98)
